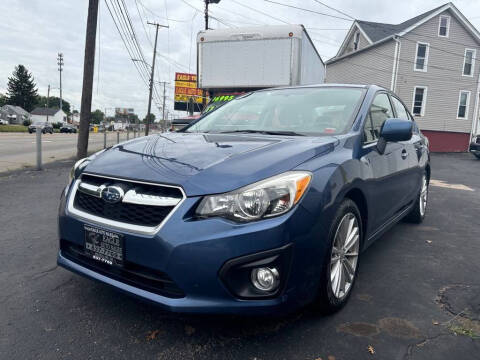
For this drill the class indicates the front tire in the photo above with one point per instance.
(477, 155)
(340, 263)
(419, 210)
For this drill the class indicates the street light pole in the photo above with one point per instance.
(206, 10)
(60, 64)
(48, 99)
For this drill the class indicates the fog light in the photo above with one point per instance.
(265, 279)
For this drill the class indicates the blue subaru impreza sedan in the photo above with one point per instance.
(261, 206)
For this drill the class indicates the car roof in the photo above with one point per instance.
(360, 86)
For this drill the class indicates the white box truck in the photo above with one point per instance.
(249, 58)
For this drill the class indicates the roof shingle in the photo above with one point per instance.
(45, 111)
(378, 31)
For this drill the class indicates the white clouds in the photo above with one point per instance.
(34, 31)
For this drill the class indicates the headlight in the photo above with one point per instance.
(267, 198)
(77, 168)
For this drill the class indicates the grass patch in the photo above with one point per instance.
(466, 327)
(13, 128)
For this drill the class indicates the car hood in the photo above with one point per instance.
(207, 163)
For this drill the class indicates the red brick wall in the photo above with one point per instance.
(442, 141)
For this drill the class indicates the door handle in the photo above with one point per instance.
(404, 154)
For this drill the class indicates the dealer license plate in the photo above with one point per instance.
(104, 246)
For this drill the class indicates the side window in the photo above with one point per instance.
(356, 41)
(380, 110)
(421, 58)
(400, 109)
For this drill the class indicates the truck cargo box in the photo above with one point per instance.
(257, 57)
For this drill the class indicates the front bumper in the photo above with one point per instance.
(193, 253)
(474, 147)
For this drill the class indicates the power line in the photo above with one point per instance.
(143, 25)
(309, 10)
(414, 62)
(393, 28)
(126, 37)
(260, 12)
(135, 40)
(215, 18)
(124, 42)
(158, 16)
(445, 80)
(332, 8)
(236, 13)
(323, 29)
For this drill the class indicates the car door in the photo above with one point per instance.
(414, 150)
(386, 172)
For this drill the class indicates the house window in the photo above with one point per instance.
(419, 100)
(468, 62)
(443, 26)
(421, 58)
(356, 41)
(463, 102)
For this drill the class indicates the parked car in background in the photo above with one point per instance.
(475, 146)
(261, 206)
(4, 122)
(68, 128)
(45, 127)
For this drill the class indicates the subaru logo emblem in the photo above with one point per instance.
(112, 194)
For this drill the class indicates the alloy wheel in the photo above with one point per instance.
(423, 196)
(344, 258)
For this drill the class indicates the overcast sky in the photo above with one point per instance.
(32, 32)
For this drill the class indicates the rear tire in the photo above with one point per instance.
(340, 263)
(419, 210)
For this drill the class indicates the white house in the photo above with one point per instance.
(14, 114)
(52, 115)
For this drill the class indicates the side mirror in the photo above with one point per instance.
(394, 130)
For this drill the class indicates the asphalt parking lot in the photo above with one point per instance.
(417, 295)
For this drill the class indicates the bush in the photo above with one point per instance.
(57, 125)
(27, 122)
(13, 128)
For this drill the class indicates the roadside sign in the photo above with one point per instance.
(186, 89)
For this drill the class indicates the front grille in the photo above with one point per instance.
(135, 214)
(132, 274)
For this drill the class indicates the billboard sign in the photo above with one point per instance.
(186, 91)
(124, 111)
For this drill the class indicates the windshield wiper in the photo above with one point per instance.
(267, 132)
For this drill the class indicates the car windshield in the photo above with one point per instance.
(299, 111)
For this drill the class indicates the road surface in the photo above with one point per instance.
(18, 150)
(416, 297)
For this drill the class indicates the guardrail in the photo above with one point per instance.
(106, 136)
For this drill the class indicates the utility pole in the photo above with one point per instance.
(147, 126)
(163, 106)
(48, 100)
(60, 64)
(88, 69)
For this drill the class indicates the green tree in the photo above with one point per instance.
(3, 100)
(21, 88)
(151, 118)
(96, 117)
(53, 102)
